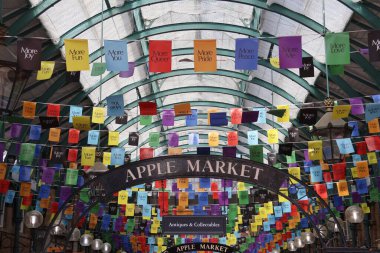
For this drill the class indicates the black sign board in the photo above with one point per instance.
(194, 225)
(206, 246)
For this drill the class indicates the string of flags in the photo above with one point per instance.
(205, 55)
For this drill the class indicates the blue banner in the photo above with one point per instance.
(117, 156)
(246, 54)
(116, 55)
(115, 105)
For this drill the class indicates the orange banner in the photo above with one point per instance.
(204, 55)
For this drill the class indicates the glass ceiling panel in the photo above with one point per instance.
(66, 14)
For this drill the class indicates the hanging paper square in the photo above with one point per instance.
(148, 108)
(256, 153)
(146, 153)
(77, 56)
(192, 120)
(373, 126)
(93, 137)
(193, 139)
(28, 109)
(345, 146)
(75, 111)
(246, 53)
(154, 139)
(54, 134)
(35, 132)
(218, 119)
(315, 151)
(174, 151)
(88, 156)
(272, 136)
(98, 115)
(98, 69)
(204, 55)
(145, 120)
(236, 115)
(337, 48)
(213, 139)
(232, 138)
(113, 138)
(357, 106)
(168, 117)
(307, 69)
(116, 55)
(71, 177)
(133, 139)
(72, 155)
(29, 53)
(374, 45)
(115, 105)
(173, 140)
(341, 111)
(160, 56)
(253, 137)
(73, 137)
(46, 71)
(117, 156)
(316, 174)
(129, 72)
(290, 52)
(82, 123)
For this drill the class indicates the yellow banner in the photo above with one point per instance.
(122, 197)
(285, 118)
(183, 199)
(130, 210)
(213, 139)
(272, 136)
(341, 111)
(174, 151)
(182, 183)
(204, 55)
(315, 150)
(88, 156)
(296, 172)
(107, 158)
(98, 115)
(82, 122)
(77, 57)
(113, 138)
(46, 71)
(343, 188)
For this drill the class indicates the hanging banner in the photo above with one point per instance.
(193, 225)
(290, 52)
(29, 53)
(46, 71)
(129, 72)
(246, 53)
(115, 105)
(160, 56)
(204, 55)
(77, 56)
(374, 45)
(116, 55)
(98, 68)
(307, 69)
(29, 109)
(337, 47)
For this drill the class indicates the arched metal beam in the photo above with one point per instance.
(363, 12)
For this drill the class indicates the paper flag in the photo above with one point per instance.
(307, 69)
(35, 132)
(203, 150)
(146, 153)
(296, 172)
(372, 159)
(129, 209)
(88, 156)
(315, 174)
(160, 55)
(73, 136)
(374, 45)
(154, 139)
(336, 70)
(275, 62)
(337, 48)
(46, 71)
(249, 117)
(148, 108)
(345, 146)
(341, 111)
(122, 120)
(107, 158)
(253, 137)
(315, 150)
(373, 143)
(246, 53)
(357, 106)
(16, 129)
(93, 137)
(77, 55)
(98, 115)
(113, 138)
(167, 117)
(29, 53)
(53, 110)
(256, 153)
(272, 136)
(173, 140)
(321, 190)
(54, 134)
(133, 139)
(192, 120)
(72, 155)
(342, 188)
(116, 55)
(75, 111)
(204, 55)
(29, 110)
(308, 116)
(115, 105)
(290, 52)
(373, 126)
(213, 139)
(218, 119)
(339, 171)
(98, 69)
(236, 115)
(71, 177)
(174, 151)
(355, 128)
(117, 156)
(193, 139)
(182, 109)
(232, 138)
(145, 120)
(129, 72)
(82, 123)
(362, 168)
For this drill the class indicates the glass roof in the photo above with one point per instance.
(182, 22)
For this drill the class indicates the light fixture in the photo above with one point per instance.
(33, 219)
(307, 237)
(298, 242)
(58, 230)
(354, 214)
(96, 244)
(333, 226)
(328, 129)
(275, 251)
(106, 248)
(75, 236)
(86, 240)
(291, 246)
(323, 232)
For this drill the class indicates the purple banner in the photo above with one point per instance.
(290, 49)
(129, 72)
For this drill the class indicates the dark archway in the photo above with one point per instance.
(193, 166)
